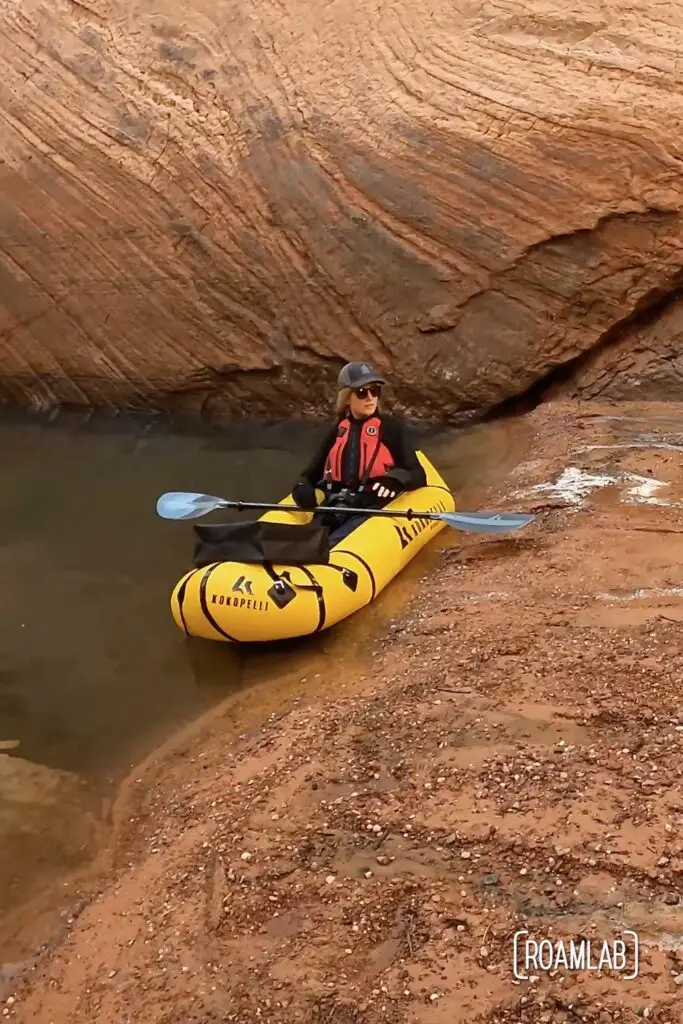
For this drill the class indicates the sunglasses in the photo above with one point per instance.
(372, 391)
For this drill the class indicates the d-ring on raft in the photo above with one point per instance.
(259, 600)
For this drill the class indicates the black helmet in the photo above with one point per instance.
(357, 375)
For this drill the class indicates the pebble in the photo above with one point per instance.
(330, 879)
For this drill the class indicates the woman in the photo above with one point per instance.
(366, 459)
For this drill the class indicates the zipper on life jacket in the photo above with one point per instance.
(352, 454)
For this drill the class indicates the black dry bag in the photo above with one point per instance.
(261, 541)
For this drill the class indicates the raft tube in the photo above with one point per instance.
(235, 601)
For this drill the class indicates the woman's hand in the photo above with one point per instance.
(385, 488)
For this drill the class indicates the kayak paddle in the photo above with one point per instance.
(191, 505)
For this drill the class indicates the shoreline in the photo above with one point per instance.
(367, 856)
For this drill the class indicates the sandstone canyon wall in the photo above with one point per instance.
(210, 206)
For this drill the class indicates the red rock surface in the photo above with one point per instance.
(208, 206)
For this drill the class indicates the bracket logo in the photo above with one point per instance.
(242, 586)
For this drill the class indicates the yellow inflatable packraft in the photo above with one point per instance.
(245, 603)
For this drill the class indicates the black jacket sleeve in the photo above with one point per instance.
(313, 473)
(408, 471)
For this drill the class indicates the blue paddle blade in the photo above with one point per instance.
(187, 504)
(487, 522)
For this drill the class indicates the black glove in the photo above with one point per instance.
(386, 487)
(304, 495)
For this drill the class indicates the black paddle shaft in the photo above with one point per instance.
(243, 506)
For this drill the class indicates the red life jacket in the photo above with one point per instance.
(375, 458)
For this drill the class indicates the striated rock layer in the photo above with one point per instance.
(210, 206)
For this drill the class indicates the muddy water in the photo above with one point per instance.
(93, 673)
